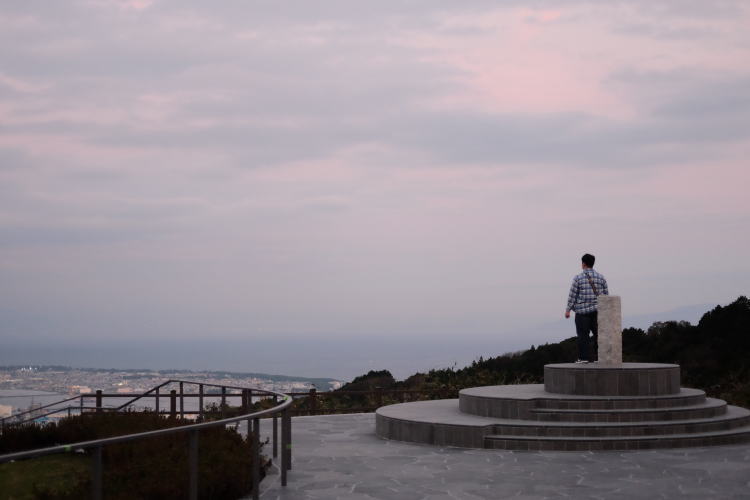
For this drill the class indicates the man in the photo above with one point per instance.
(582, 300)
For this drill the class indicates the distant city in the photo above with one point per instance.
(21, 385)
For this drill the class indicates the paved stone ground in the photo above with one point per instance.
(339, 456)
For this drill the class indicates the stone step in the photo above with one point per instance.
(687, 397)
(733, 418)
(598, 443)
(517, 401)
(709, 408)
(441, 423)
(437, 422)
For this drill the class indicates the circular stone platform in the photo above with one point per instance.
(625, 379)
(638, 406)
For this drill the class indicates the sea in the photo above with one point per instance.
(22, 399)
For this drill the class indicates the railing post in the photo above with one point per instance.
(289, 440)
(275, 429)
(156, 405)
(256, 458)
(193, 459)
(378, 397)
(96, 474)
(182, 402)
(245, 404)
(80, 398)
(173, 403)
(200, 401)
(223, 399)
(313, 401)
(98, 401)
(284, 456)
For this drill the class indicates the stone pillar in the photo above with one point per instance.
(610, 329)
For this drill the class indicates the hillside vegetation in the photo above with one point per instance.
(713, 356)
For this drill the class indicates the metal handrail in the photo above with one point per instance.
(55, 411)
(193, 430)
(147, 392)
(64, 448)
(207, 384)
(3, 419)
(151, 393)
(178, 381)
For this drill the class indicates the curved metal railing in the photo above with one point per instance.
(174, 397)
(36, 413)
(253, 429)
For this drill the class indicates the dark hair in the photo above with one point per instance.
(588, 259)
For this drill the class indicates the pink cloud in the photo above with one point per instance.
(706, 187)
(20, 85)
(546, 61)
(517, 63)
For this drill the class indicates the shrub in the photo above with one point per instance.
(146, 468)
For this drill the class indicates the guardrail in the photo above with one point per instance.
(253, 426)
(176, 400)
(310, 402)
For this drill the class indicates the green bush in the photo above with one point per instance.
(146, 468)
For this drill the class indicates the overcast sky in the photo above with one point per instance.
(343, 169)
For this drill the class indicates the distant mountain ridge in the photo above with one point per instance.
(564, 328)
(712, 354)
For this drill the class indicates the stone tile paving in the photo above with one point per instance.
(339, 456)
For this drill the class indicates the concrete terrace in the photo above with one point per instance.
(339, 456)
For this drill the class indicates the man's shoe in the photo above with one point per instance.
(578, 361)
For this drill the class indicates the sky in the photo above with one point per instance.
(362, 173)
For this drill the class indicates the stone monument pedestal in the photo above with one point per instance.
(610, 329)
(616, 379)
(579, 408)
(607, 405)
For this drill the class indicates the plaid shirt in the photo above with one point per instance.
(582, 298)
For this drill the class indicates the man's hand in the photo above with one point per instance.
(567, 314)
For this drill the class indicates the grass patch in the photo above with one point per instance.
(54, 476)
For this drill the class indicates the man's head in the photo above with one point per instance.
(588, 260)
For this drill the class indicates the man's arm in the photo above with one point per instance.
(572, 296)
(605, 288)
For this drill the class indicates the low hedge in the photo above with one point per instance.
(146, 468)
